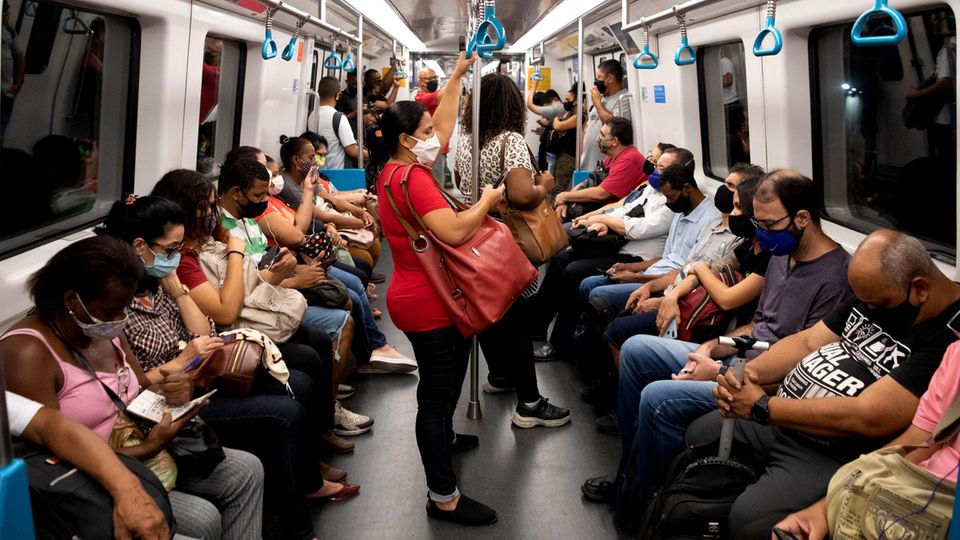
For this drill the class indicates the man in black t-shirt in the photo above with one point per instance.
(846, 385)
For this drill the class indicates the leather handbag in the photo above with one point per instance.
(275, 311)
(590, 245)
(701, 319)
(478, 280)
(538, 231)
(882, 494)
(232, 368)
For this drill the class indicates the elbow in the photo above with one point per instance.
(225, 319)
(725, 303)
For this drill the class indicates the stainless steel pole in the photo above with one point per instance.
(473, 409)
(581, 91)
(358, 73)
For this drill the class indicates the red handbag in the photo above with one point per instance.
(478, 280)
(701, 319)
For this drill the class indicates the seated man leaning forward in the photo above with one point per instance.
(846, 386)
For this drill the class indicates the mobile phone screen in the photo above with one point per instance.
(229, 338)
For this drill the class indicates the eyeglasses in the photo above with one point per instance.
(767, 226)
(169, 250)
(954, 324)
(431, 79)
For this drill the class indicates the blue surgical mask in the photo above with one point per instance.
(163, 264)
(654, 180)
(99, 329)
(778, 243)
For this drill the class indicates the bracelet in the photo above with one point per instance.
(232, 251)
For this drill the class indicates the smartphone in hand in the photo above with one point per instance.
(271, 257)
(228, 338)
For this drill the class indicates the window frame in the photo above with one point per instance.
(706, 162)
(938, 250)
(241, 84)
(56, 230)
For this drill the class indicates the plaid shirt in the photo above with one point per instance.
(155, 334)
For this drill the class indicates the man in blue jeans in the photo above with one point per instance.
(665, 384)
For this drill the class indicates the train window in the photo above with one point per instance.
(66, 154)
(723, 108)
(886, 124)
(221, 101)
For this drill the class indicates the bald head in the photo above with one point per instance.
(885, 269)
(426, 76)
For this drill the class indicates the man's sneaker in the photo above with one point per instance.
(497, 386)
(599, 489)
(543, 414)
(608, 424)
(388, 359)
(544, 352)
(345, 391)
(347, 423)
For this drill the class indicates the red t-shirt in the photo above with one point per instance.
(189, 271)
(413, 303)
(276, 205)
(626, 172)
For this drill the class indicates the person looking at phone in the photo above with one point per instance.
(70, 349)
(608, 99)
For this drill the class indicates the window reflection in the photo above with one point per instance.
(723, 97)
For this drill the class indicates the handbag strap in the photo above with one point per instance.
(949, 425)
(85, 364)
(404, 183)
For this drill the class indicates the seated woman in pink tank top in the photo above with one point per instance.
(69, 353)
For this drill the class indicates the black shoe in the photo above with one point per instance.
(377, 277)
(608, 424)
(600, 489)
(467, 512)
(462, 443)
(544, 414)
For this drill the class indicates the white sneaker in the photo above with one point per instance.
(387, 358)
(348, 423)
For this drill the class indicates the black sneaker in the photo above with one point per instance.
(608, 424)
(544, 414)
(467, 512)
(462, 443)
(599, 489)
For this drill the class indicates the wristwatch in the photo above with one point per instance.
(761, 410)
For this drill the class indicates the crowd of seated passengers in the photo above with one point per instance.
(796, 421)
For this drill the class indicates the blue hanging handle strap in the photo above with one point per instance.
(74, 25)
(645, 54)
(879, 41)
(269, 49)
(684, 42)
(483, 42)
(291, 47)
(771, 29)
(333, 61)
(348, 64)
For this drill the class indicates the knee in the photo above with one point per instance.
(201, 519)
(246, 469)
(633, 352)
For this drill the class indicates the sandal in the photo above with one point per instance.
(376, 313)
(346, 491)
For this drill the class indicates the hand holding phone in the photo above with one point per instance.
(228, 338)
(272, 256)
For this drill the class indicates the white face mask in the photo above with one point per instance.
(427, 151)
(276, 185)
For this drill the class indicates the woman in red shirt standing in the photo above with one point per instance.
(407, 135)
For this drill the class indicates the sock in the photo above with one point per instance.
(532, 405)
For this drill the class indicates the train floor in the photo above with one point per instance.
(530, 477)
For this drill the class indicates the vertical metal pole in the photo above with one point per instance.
(323, 10)
(581, 93)
(359, 74)
(473, 409)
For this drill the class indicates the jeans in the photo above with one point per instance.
(352, 270)
(655, 409)
(442, 356)
(601, 286)
(551, 162)
(358, 295)
(329, 320)
(224, 504)
(626, 326)
(508, 350)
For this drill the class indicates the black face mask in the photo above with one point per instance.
(741, 226)
(680, 206)
(568, 106)
(210, 223)
(432, 86)
(252, 209)
(899, 317)
(208, 58)
(601, 86)
(648, 167)
(723, 200)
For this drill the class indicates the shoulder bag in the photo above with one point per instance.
(883, 495)
(701, 319)
(274, 311)
(478, 280)
(538, 231)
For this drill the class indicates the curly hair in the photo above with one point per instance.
(192, 191)
(501, 108)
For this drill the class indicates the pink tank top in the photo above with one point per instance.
(84, 399)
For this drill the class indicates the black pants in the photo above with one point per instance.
(559, 293)
(442, 356)
(508, 350)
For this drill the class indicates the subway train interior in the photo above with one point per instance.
(103, 98)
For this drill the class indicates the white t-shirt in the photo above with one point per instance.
(619, 105)
(336, 142)
(11, 47)
(730, 94)
(20, 411)
(947, 69)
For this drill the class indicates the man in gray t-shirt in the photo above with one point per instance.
(609, 98)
